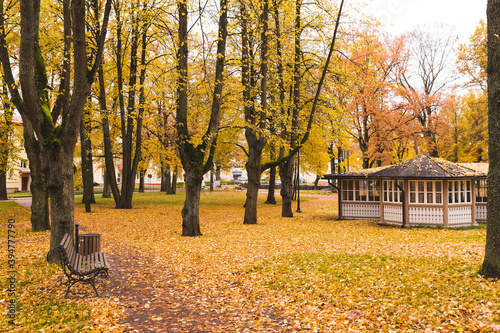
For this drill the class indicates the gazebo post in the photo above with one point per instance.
(405, 204)
(473, 200)
(446, 212)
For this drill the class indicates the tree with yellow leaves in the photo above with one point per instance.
(54, 124)
(197, 155)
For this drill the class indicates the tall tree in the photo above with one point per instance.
(424, 76)
(197, 158)
(55, 132)
(88, 197)
(39, 190)
(491, 263)
(255, 116)
(257, 112)
(130, 98)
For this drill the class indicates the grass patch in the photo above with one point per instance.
(12, 210)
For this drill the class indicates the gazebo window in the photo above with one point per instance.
(481, 191)
(360, 190)
(392, 192)
(426, 192)
(373, 190)
(459, 191)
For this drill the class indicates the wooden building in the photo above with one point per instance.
(423, 191)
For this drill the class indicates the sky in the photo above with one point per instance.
(401, 16)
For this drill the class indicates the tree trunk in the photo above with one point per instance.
(316, 181)
(168, 182)
(3, 185)
(491, 263)
(163, 182)
(61, 187)
(106, 189)
(141, 182)
(174, 182)
(211, 181)
(253, 167)
(217, 172)
(39, 203)
(87, 165)
(286, 175)
(191, 209)
(272, 186)
(40, 220)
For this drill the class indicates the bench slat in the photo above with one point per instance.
(97, 264)
(101, 260)
(64, 240)
(79, 263)
(105, 260)
(67, 244)
(89, 263)
(71, 254)
(73, 261)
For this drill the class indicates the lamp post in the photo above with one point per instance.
(298, 181)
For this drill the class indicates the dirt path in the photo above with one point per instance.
(157, 301)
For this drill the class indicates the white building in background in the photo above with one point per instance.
(18, 177)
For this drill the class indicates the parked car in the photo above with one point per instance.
(97, 184)
(242, 180)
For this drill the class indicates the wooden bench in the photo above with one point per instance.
(80, 268)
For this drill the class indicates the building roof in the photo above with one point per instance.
(420, 167)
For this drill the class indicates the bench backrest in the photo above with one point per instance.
(69, 250)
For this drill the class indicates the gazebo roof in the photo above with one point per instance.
(420, 167)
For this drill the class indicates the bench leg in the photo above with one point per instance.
(93, 286)
(90, 279)
(70, 283)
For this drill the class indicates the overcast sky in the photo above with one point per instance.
(401, 16)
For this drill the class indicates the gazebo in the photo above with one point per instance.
(423, 191)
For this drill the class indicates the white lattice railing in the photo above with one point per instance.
(481, 213)
(459, 216)
(426, 216)
(393, 213)
(366, 211)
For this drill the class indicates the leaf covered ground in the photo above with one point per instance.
(307, 273)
